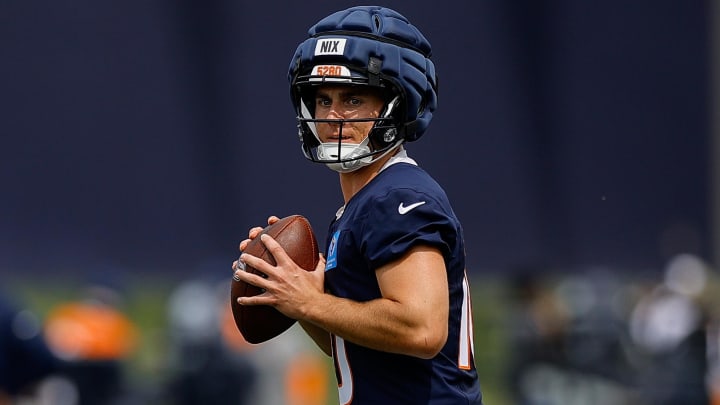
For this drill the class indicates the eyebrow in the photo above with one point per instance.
(345, 93)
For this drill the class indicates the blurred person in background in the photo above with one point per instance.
(536, 327)
(209, 363)
(93, 337)
(669, 327)
(25, 359)
(568, 343)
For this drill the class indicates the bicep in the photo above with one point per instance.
(418, 282)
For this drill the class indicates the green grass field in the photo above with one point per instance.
(146, 304)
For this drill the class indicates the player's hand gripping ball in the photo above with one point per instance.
(259, 323)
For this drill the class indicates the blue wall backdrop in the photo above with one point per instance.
(150, 135)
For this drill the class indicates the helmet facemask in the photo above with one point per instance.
(344, 157)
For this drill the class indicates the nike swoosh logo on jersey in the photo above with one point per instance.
(402, 209)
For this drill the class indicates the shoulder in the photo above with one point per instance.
(406, 176)
(398, 190)
(393, 190)
(402, 207)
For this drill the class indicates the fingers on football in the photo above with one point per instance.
(251, 278)
(275, 249)
(254, 232)
(258, 264)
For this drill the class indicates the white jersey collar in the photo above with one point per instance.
(400, 157)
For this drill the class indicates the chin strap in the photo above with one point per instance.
(352, 165)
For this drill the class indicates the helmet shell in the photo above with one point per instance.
(381, 45)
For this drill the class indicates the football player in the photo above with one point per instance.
(390, 299)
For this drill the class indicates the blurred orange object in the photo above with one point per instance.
(307, 381)
(87, 331)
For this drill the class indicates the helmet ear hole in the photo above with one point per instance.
(421, 107)
(376, 20)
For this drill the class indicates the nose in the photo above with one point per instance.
(335, 111)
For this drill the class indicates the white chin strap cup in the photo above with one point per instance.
(329, 152)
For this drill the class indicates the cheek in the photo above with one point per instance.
(324, 130)
(320, 113)
(364, 128)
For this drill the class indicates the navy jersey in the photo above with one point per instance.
(400, 208)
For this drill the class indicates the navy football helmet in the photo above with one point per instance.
(364, 46)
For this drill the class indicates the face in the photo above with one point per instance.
(346, 102)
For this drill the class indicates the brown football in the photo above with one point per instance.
(262, 322)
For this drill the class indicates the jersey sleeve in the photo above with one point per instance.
(405, 218)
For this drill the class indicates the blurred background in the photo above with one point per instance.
(578, 141)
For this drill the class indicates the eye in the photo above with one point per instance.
(355, 101)
(322, 101)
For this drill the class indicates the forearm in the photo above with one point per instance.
(320, 336)
(380, 324)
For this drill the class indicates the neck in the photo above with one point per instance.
(352, 182)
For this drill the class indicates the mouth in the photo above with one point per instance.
(336, 138)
